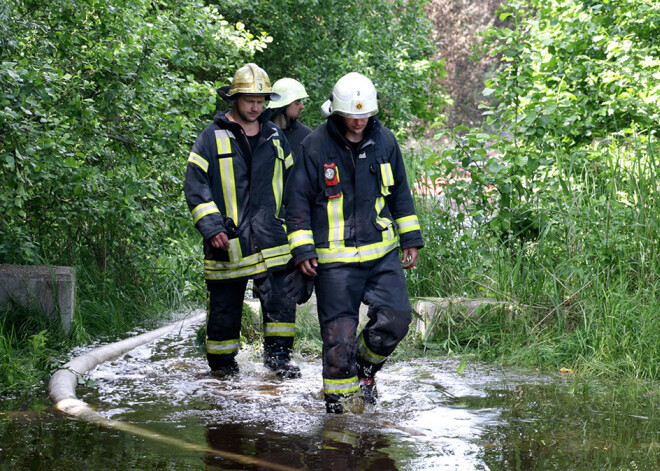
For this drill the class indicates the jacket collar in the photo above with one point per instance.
(337, 129)
(222, 121)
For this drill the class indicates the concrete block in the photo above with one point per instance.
(49, 289)
(427, 311)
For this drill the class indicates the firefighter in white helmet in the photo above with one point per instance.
(348, 211)
(234, 183)
(287, 110)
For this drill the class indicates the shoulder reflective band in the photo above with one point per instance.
(340, 386)
(223, 141)
(407, 224)
(298, 238)
(202, 210)
(198, 160)
(280, 329)
(222, 347)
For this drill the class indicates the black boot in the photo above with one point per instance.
(332, 404)
(281, 365)
(225, 370)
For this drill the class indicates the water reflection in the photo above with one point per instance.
(330, 448)
(429, 417)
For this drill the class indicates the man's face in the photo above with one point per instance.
(294, 110)
(249, 107)
(356, 125)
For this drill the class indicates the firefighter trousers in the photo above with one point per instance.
(381, 285)
(224, 313)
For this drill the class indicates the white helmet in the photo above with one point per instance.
(289, 91)
(353, 96)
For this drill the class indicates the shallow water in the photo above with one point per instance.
(428, 417)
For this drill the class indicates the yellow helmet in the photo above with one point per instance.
(289, 91)
(251, 80)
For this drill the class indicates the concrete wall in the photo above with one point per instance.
(49, 289)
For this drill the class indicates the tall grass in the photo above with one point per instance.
(110, 301)
(584, 294)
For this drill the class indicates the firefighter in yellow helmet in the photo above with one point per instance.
(235, 178)
(287, 110)
(348, 211)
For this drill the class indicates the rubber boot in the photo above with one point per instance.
(332, 404)
(224, 369)
(280, 364)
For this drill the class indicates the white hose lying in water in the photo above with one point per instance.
(62, 391)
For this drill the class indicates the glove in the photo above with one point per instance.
(298, 286)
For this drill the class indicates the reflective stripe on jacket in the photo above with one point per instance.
(345, 208)
(227, 192)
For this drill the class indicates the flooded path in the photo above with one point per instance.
(428, 417)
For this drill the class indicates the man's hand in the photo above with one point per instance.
(220, 241)
(308, 267)
(409, 258)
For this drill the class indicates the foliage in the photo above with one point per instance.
(318, 41)
(27, 355)
(100, 101)
(557, 196)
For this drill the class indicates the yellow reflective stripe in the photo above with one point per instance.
(380, 204)
(276, 256)
(359, 254)
(277, 261)
(229, 187)
(278, 176)
(298, 238)
(202, 210)
(288, 162)
(235, 252)
(386, 173)
(198, 160)
(340, 386)
(223, 347)
(367, 354)
(220, 265)
(280, 329)
(407, 224)
(223, 141)
(336, 226)
(229, 274)
(273, 251)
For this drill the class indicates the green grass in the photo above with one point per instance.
(584, 294)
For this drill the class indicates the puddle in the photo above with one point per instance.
(428, 417)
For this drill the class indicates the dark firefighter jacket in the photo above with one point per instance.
(295, 132)
(345, 206)
(226, 191)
